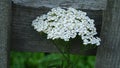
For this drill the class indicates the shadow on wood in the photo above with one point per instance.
(25, 38)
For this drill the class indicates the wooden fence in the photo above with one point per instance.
(17, 34)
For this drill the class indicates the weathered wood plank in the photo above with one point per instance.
(5, 8)
(79, 4)
(25, 38)
(108, 54)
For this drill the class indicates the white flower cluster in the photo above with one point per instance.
(66, 24)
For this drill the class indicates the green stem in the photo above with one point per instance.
(66, 50)
(59, 49)
(68, 55)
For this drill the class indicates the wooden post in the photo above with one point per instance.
(5, 7)
(108, 54)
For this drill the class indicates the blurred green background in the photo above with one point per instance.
(49, 60)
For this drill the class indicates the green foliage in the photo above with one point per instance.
(43, 60)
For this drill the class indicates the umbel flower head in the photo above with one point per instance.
(66, 24)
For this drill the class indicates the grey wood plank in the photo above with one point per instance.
(79, 4)
(108, 54)
(5, 11)
(25, 38)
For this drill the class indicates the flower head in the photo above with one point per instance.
(66, 24)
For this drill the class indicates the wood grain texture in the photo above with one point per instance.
(79, 4)
(25, 38)
(108, 54)
(5, 8)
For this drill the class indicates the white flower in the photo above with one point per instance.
(66, 24)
